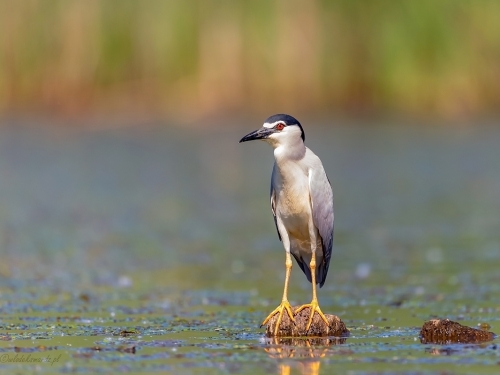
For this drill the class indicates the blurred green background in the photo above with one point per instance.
(195, 58)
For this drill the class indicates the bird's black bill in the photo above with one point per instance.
(261, 133)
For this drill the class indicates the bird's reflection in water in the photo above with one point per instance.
(306, 352)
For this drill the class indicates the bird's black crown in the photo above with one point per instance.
(288, 120)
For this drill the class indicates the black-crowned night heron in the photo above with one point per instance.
(302, 206)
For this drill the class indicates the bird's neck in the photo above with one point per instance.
(292, 151)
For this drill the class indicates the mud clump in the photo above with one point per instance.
(318, 328)
(445, 331)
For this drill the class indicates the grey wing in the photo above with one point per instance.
(322, 211)
(273, 205)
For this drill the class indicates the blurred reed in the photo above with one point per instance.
(439, 58)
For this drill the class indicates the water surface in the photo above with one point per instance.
(154, 249)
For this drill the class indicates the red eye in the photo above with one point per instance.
(279, 127)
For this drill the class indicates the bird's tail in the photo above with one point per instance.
(321, 270)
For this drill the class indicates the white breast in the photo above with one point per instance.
(293, 204)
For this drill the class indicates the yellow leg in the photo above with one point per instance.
(313, 306)
(284, 305)
(284, 369)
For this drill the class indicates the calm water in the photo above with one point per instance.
(155, 250)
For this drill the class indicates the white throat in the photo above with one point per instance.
(292, 149)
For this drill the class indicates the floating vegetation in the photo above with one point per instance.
(445, 331)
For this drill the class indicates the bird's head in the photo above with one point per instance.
(278, 130)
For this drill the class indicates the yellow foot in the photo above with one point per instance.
(285, 305)
(314, 307)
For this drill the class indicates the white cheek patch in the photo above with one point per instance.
(293, 129)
